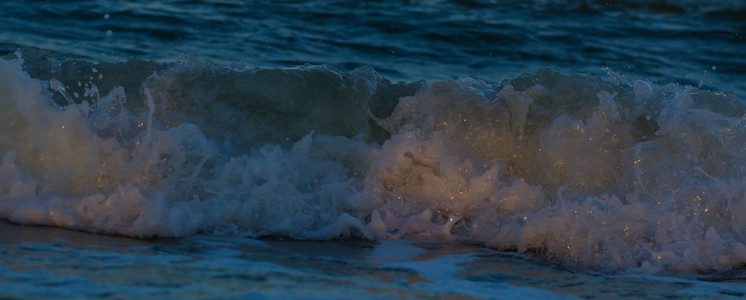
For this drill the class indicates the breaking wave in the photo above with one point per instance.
(577, 170)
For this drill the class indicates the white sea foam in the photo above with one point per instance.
(443, 274)
(645, 178)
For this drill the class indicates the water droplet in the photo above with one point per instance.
(106, 16)
(109, 32)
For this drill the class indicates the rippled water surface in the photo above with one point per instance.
(691, 42)
(44, 262)
(379, 149)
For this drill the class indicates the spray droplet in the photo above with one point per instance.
(109, 32)
(106, 16)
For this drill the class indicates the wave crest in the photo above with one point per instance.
(570, 168)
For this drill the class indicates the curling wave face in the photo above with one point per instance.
(569, 168)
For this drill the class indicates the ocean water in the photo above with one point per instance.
(382, 149)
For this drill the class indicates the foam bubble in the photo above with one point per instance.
(570, 169)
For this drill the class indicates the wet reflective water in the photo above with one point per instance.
(689, 42)
(49, 262)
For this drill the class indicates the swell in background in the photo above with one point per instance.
(688, 42)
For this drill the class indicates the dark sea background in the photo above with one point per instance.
(314, 149)
(699, 43)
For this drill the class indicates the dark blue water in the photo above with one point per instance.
(479, 149)
(699, 43)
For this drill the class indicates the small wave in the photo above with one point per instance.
(584, 172)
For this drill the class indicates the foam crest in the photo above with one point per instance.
(115, 171)
(573, 170)
(567, 168)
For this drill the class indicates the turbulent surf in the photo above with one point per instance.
(582, 171)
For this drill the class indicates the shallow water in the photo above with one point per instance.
(48, 262)
(411, 130)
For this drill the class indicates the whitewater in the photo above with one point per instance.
(415, 185)
(606, 176)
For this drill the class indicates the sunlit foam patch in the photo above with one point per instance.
(567, 168)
